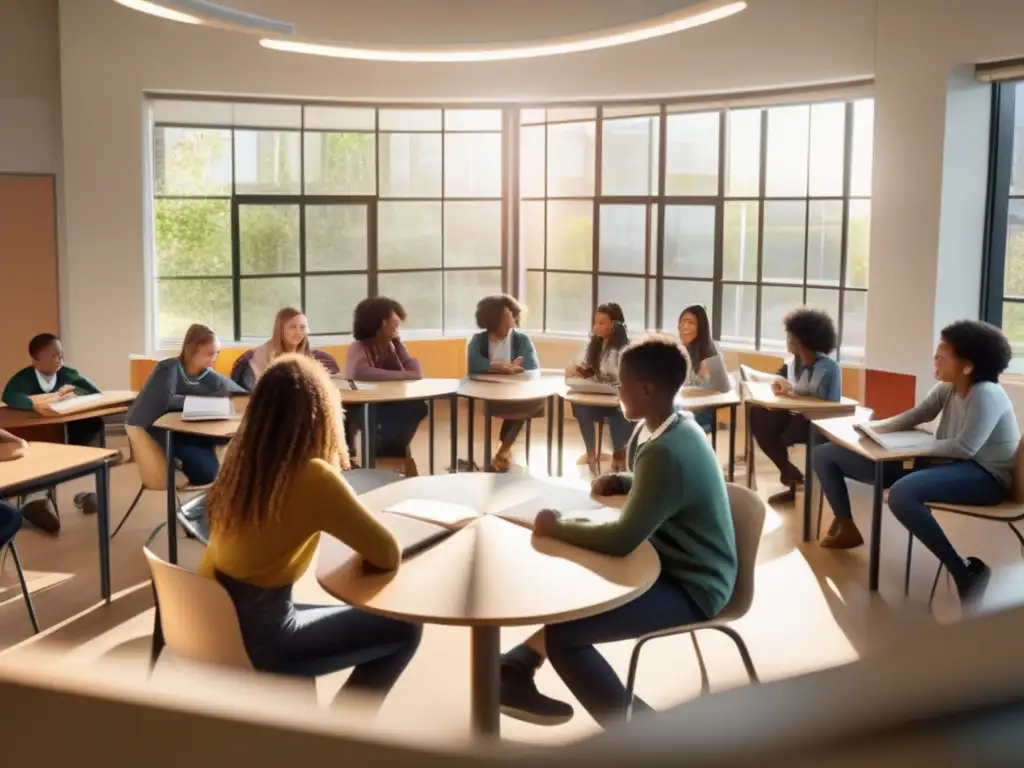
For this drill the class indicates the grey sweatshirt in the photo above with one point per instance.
(717, 378)
(166, 388)
(980, 427)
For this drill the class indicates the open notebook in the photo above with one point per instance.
(207, 408)
(75, 404)
(353, 385)
(413, 536)
(909, 441)
(591, 387)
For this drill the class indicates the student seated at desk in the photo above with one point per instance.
(707, 367)
(190, 373)
(502, 348)
(599, 361)
(810, 338)
(281, 485)
(47, 380)
(971, 461)
(11, 447)
(378, 354)
(677, 500)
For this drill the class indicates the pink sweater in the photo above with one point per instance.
(368, 362)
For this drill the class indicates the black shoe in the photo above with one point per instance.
(972, 584)
(40, 513)
(88, 503)
(787, 496)
(521, 699)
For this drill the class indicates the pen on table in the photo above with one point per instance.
(352, 384)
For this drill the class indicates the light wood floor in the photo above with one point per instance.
(812, 607)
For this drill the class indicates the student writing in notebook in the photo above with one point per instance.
(281, 485)
(707, 367)
(971, 461)
(378, 354)
(502, 348)
(677, 500)
(599, 361)
(36, 387)
(190, 373)
(810, 338)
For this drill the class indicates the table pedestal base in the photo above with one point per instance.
(486, 681)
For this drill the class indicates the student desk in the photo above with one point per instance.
(372, 392)
(174, 423)
(47, 464)
(841, 432)
(488, 575)
(109, 404)
(547, 386)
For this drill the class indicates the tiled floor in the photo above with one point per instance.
(812, 608)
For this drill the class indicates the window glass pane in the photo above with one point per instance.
(410, 119)
(1013, 280)
(571, 113)
(786, 171)
(183, 302)
(743, 153)
(336, 237)
(571, 160)
(472, 119)
(191, 161)
(623, 238)
(568, 303)
(739, 246)
(827, 299)
(776, 303)
(531, 161)
(859, 244)
(828, 129)
(193, 237)
(532, 116)
(1013, 325)
(472, 234)
(267, 162)
(340, 163)
(268, 237)
(739, 305)
(419, 293)
(1017, 171)
(571, 235)
(410, 165)
(462, 290)
(472, 165)
(824, 241)
(863, 144)
(629, 161)
(855, 322)
(533, 298)
(629, 293)
(330, 301)
(340, 118)
(531, 234)
(691, 162)
(785, 228)
(680, 294)
(409, 236)
(261, 299)
(689, 240)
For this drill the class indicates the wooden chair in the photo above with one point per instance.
(748, 521)
(152, 464)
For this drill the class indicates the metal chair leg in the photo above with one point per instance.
(529, 423)
(129, 512)
(910, 554)
(744, 652)
(705, 684)
(1020, 538)
(51, 492)
(935, 585)
(821, 507)
(24, 587)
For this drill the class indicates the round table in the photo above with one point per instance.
(369, 393)
(489, 574)
(545, 386)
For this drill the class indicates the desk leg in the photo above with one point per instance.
(561, 434)
(486, 681)
(430, 409)
(172, 502)
(469, 428)
(103, 524)
(365, 458)
(714, 432)
(732, 443)
(371, 450)
(749, 442)
(453, 418)
(487, 437)
(876, 527)
(808, 481)
(551, 435)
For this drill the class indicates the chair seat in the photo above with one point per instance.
(1008, 511)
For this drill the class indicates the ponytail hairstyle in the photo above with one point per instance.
(619, 339)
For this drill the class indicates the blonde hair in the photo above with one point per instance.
(196, 336)
(294, 415)
(284, 317)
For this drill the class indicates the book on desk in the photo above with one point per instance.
(522, 512)
(199, 408)
(907, 441)
(590, 386)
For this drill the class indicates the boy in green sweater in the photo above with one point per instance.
(676, 500)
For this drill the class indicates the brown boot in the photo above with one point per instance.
(42, 515)
(619, 461)
(842, 534)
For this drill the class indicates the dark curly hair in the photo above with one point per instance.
(619, 337)
(813, 328)
(982, 345)
(39, 343)
(659, 360)
(371, 313)
(490, 309)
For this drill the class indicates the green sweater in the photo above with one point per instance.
(677, 500)
(25, 384)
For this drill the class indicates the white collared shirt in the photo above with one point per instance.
(644, 435)
(47, 385)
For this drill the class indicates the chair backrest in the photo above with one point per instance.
(198, 619)
(748, 522)
(1017, 490)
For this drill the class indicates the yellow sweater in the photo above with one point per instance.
(279, 553)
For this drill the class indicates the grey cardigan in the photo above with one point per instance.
(166, 388)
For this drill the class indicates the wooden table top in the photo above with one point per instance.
(840, 431)
(219, 428)
(109, 404)
(760, 393)
(44, 459)
(545, 385)
(491, 572)
(395, 391)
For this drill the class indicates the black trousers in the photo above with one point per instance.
(87, 432)
(775, 432)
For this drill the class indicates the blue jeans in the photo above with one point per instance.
(198, 459)
(589, 416)
(10, 522)
(958, 482)
(705, 420)
(570, 646)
